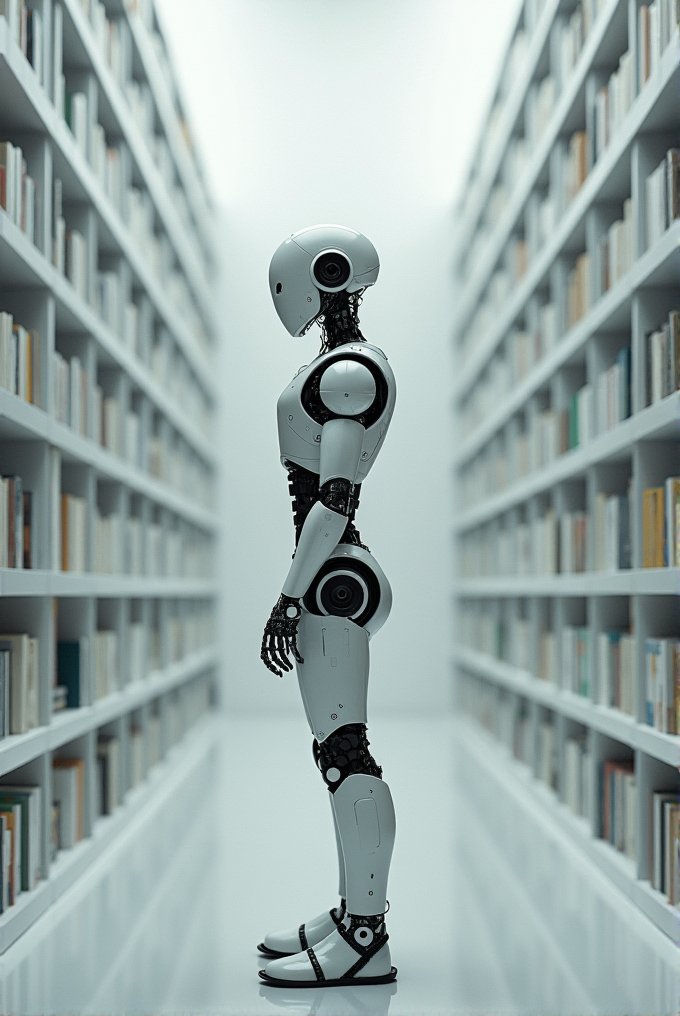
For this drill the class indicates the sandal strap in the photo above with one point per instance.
(315, 963)
(375, 947)
(303, 937)
(334, 917)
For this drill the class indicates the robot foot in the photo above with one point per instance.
(287, 943)
(355, 952)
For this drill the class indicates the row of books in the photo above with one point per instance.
(69, 392)
(665, 845)
(612, 103)
(19, 678)
(575, 168)
(615, 663)
(20, 360)
(661, 525)
(662, 360)
(614, 393)
(124, 546)
(17, 532)
(552, 545)
(575, 673)
(657, 23)
(579, 292)
(576, 781)
(619, 805)
(662, 196)
(662, 684)
(513, 455)
(546, 753)
(118, 434)
(574, 34)
(18, 192)
(611, 532)
(26, 28)
(616, 668)
(616, 250)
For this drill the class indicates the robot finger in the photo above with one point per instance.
(266, 655)
(280, 653)
(292, 648)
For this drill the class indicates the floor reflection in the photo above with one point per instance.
(491, 914)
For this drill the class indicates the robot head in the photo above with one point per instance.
(318, 259)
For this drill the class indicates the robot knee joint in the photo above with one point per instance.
(344, 753)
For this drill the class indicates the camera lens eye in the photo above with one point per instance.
(332, 270)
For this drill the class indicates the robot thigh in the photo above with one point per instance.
(346, 603)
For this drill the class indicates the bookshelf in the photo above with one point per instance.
(108, 524)
(566, 404)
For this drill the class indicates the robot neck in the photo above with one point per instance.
(340, 322)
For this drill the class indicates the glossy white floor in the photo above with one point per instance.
(168, 921)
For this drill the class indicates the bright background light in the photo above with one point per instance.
(361, 112)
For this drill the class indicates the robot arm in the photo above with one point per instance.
(340, 453)
(341, 443)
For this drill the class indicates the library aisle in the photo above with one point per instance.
(251, 847)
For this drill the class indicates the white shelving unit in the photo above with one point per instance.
(131, 434)
(523, 229)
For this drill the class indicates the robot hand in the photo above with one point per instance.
(280, 636)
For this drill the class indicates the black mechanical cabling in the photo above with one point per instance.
(338, 319)
(336, 494)
(347, 751)
(304, 489)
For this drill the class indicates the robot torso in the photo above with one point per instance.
(302, 412)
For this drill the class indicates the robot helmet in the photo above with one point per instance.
(318, 259)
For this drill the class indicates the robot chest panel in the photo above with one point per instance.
(301, 415)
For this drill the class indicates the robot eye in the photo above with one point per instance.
(279, 287)
(332, 270)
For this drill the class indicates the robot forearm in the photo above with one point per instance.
(320, 536)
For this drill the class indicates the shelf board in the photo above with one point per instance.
(472, 210)
(193, 186)
(657, 93)
(627, 582)
(18, 749)
(23, 265)
(472, 287)
(19, 420)
(517, 782)
(34, 582)
(181, 761)
(657, 266)
(660, 422)
(32, 110)
(611, 722)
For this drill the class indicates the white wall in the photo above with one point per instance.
(361, 112)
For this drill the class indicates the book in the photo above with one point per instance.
(12, 818)
(22, 651)
(29, 799)
(108, 764)
(672, 522)
(68, 783)
(72, 671)
(662, 657)
(73, 532)
(659, 838)
(619, 805)
(653, 528)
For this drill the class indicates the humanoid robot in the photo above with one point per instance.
(332, 420)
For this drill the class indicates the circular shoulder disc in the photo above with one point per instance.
(347, 388)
